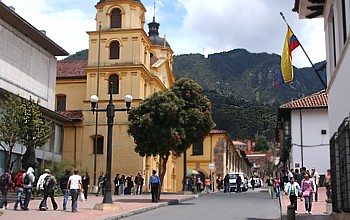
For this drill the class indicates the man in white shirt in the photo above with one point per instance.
(40, 184)
(74, 185)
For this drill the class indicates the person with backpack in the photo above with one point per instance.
(19, 188)
(64, 188)
(40, 183)
(28, 182)
(48, 190)
(5, 183)
(154, 184)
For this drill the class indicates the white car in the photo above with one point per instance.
(233, 177)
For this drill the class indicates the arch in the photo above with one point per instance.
(114, 50)
(116, 18)
(113, 84)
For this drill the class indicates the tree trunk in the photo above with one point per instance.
(29, 158)
(162, 170)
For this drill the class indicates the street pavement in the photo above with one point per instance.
(320, 209)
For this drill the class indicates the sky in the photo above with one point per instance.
(190, 26)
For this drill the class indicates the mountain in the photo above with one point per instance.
(241, 87)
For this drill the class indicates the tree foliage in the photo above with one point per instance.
(261, 144)
(169, 121)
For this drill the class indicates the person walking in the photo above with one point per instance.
(238, 183)
(218, 182)
(314, 175)
(269, 182)
(277, 185)
(64, 188)
(154, 184)
(116, 184)
(327, 183)
(19, 188)
(100, 184)
(139, 184)
(308, 188)
(199, 183)
(207, 183)
(40, 183)
(28, 182)
(86, 184)
(227, 183)
(292, 189)
(5, 184)
(122, 184)
(75, 185)
(252, 182)
(48, 185)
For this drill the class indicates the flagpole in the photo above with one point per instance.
(313, 66)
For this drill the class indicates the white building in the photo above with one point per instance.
(305, 122)
(28, 69)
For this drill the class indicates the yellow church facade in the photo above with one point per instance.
(123, 60)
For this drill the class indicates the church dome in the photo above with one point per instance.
(153, 34)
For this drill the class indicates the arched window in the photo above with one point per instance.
(116, 18)
(114, 49)
(113, 86)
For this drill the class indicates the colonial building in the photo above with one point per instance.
(123, 60)
(28, 69)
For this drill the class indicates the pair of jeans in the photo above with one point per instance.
(74, 195)
(270, 189)
(277, 191)
(227, 187)
(154, 191)
(308, 202)
(3, 201)
(19, 192)
(121, 189)
(65, 193)
(238, 187)
(138, 190)
(48, 193)
(28, 193)
(294, 201)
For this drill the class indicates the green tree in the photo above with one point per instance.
(261, 144)
(170, 121)
(35, 130)
(10, 126)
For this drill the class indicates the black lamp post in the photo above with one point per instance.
(110, 120)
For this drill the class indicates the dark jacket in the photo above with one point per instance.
(64, 181)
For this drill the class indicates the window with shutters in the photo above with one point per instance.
(61, 103)
(197, 148)
(114, 49)
(116, 18)
(99, 148)
(113, 84)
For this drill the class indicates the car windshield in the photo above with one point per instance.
(232, 176)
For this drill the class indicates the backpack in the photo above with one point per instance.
(4, 179)
(47, 182)
(26, 179)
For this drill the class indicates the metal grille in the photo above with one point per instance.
(335, 173)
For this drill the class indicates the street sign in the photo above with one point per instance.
(211, 166)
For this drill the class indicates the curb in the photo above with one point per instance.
(145, 209)
(282, 207)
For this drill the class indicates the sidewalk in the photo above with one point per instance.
(129, 204)
(320, 209)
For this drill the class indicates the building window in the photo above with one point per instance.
(113, 87)
(116, 18)
(99, 149)
(334, 43)
(61, 103)
(197, 148)
(343, 11)
(114, 49)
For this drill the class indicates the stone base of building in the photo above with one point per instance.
(107, 207)
(341, 216)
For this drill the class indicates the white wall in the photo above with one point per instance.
(315, 144)
(26, 69)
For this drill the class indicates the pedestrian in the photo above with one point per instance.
(227, 183)
(277, 185)
(86, 184)
(19, 188)
(116, 184)
(138, 185)
(290, 174)
(122, 184)
(308, 188)
(75, 186)
(199, 183)
(238, 183)
(297, 176)
(292, 189)
(314, 175)
(64, 188)
(129, 185)
(40, 183)
(327, 183)
(218, 182)
(207, 184)
(28, 183)
(252, 182)
(100, 184)
(5, 184)
(269, 182)
(48, 185)
(154, 184)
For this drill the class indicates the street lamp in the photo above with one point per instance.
(110, 120)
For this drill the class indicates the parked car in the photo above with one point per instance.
(233, 177)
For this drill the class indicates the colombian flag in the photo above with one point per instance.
(286, 74)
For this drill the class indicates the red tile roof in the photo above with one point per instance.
(316, 100)
(71, 69)
(73, 114)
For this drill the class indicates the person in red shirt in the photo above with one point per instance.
(18, 181)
